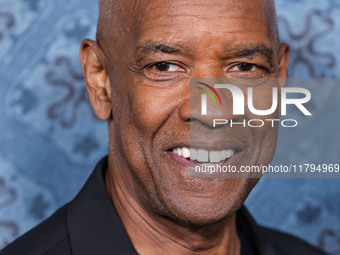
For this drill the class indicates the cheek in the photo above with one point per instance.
(145, 113)
(148, 111)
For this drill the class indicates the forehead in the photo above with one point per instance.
(198, 21)
(201, 9)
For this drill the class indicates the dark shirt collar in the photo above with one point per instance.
(93, 223)
(95, 227)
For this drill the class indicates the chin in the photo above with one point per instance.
(201, 212)
(207, 218)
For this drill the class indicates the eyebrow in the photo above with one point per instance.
(253, 51)
(250, 51)
(151, 47)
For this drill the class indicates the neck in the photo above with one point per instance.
(153, 234)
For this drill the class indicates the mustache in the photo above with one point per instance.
(196, 133)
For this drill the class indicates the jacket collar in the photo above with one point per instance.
(93, 223)
(253, 233)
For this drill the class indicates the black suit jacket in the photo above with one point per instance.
(90, 225)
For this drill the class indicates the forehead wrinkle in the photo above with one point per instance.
(164, 13)
(112, 21)
(187, 8)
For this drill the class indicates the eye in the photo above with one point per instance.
(245, 67)
(247, 70)
(162, 71)
(166, 67)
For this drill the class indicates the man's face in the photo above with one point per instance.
(164, 45)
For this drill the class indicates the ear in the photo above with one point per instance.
(96, 78)
(283, 58)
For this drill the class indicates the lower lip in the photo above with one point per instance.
(186, 165)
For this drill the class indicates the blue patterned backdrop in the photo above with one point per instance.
(50, 139)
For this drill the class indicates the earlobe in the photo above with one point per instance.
(283, 57)
(96, 78)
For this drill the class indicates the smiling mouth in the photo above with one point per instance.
(197, 156)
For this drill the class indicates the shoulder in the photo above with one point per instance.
(287, 244)
(48, 238)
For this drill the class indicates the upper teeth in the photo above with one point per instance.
(203, 155)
